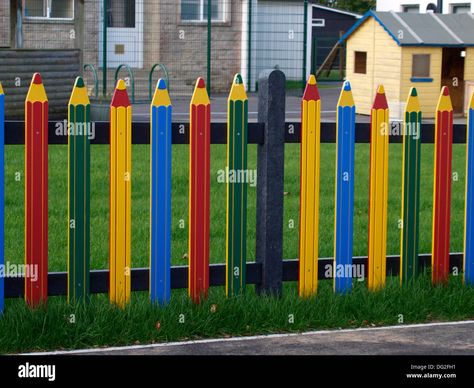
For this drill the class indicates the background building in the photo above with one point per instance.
(443, 6)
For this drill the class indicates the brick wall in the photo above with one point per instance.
(5, 23)
(183, 47)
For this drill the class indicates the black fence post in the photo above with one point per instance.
(270, 175)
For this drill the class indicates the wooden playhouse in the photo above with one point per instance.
(401, 50)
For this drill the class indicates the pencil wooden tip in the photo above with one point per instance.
(120, 97)
(380, 101)
(311, 91)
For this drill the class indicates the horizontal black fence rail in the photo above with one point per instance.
(269, 270)
(15, 133)
(99, 279)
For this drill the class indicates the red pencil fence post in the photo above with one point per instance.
(36, 192)
(442, 188)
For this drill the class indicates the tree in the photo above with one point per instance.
(360, 6)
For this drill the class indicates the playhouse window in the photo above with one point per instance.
(196, 10)
(421, 66)
(49, 9)
(360, 63)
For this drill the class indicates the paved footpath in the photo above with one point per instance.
(451, 338)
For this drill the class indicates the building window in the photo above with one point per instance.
(461, 8)
(319, 22)
(121, 14)
(49, 9)
(421, 66)
(412, 8)
(196, 10)
(360, 65)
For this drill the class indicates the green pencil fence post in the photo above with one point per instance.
(79, 193)
(236, 220)
(410, 190)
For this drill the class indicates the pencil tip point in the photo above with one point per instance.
(79, 82)
(238, 79)
(347, 86)
(200, 83)
(161, 84)
(445, 91)
(414, 92)
(37, 78)
(121, 85)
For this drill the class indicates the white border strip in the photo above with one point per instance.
(448, 30)
(249, 338)
(407, 27)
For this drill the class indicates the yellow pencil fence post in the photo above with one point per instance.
(309, 189)
(378, 192)
(120, 195)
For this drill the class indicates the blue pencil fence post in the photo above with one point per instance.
(344, 190)
(2, 195)
(469, 210)
(160, 195)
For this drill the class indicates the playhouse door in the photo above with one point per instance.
(124, 33)
(452, 75)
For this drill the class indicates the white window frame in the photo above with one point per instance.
(410, 6)
(46, 3)
(319, 22)
(456, 5)
(202, 19)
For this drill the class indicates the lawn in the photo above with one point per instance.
(14, 227)
(100, 324)
(60, 326)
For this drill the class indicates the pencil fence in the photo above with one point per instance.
(269, 270)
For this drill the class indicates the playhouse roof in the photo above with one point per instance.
(423, 29)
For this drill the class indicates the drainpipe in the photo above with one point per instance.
(19, 25)
(439, 8)
(104, 51)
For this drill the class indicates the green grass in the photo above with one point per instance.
(100, 324)
(14, 228)
(333, 75)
